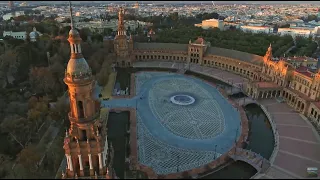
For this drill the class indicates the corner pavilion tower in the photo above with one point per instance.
(85, 143)
(123, 45)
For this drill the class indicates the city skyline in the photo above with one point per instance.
(182, 2)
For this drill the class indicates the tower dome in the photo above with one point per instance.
(77, 66)
(34, 35)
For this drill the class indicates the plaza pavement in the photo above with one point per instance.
(190, 150)
(299, 144)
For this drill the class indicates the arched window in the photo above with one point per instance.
(80, 109)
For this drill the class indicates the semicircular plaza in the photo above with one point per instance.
(174, 138)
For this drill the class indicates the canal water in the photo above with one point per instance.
(260, 131)
(261, 135)
(118, 124)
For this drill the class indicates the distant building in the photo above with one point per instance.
(11, 4)
(294, 32)
(123, 45)
(151, 35)
(257, 29)
(34, 35)
(211, 23)
(317, 31)
(301, 61)
(16, 35)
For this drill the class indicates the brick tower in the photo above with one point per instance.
(123, 45)
(85, 144)
(268, 55)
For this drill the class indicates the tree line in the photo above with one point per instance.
(26, 110)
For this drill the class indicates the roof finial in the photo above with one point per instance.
(71, 17)
(270, 48)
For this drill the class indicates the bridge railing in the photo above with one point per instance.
(254, 159)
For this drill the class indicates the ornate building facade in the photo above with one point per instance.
(85, 143)
(297, 86)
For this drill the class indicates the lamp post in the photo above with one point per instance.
(177, 163)
(235, 140)
(215, 151)
(136, 104)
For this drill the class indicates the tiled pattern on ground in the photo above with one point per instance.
(294, 164)
(278, 174)
(297, 143)
(306, 149)
(144, 77)
(162, 149)
(165, 159)
(281, 114)
(201, 120)
(300, 132)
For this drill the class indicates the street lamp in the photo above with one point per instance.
(178, 163)
(215, 151)
(136, 104)
(235, 140)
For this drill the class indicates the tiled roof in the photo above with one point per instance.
(267, 85)
(302, 69)
(299, 59)
(317, 104)
(161, 46)
(229, 53)
(308, 74)
(200, 40)
(243, 56)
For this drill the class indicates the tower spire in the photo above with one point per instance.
(268, 55)
(71, 15)
(121, 28)
(74, 68)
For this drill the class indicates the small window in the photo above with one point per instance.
(84, 135)
(80, 109)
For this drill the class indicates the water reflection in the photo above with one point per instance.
(236, 170)
(260, 131)
(117, 135)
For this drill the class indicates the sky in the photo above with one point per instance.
(205, 2)
(230, 2)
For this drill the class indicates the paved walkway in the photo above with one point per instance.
(224, 76)
(299, 144)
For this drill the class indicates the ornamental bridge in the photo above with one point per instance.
(256, 160)
(245, 101)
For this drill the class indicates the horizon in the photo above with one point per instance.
(178, 2)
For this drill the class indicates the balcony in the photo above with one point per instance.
(84, 145)
(85, 119)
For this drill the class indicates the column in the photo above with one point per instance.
(80, 162)
(104, 159)
(70, 163)
(68, 166)
(90, 161)
(100, 161)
